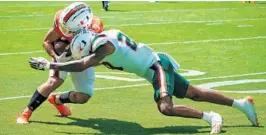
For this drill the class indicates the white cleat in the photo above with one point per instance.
(216, 123)
(249, 110)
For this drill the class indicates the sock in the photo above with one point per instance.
(237, 103)
(206, 116)
(64, 97)
(36, 100)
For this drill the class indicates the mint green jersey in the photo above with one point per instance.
(128, 56)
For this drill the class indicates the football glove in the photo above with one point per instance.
(39, 63)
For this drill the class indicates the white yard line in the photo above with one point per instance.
(43, 15)
(146, 84)
(140, 11)
(187, 22)
(162, 43)
(19, 53)
(25, 16)
(151, 11)
(244, 25)
(229, 76)
(37, 5)
(179, 10)
(147, 11)
(245, 91)
(141, 24)
(24, 29)
(63, 4)
(208, 40)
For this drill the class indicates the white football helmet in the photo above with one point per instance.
(81, 45)
(76, 17)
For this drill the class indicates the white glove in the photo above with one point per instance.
(39, 63)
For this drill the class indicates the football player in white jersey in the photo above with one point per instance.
(83, 82)
(117, 51)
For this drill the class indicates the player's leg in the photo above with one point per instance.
(40, 95)
(166, 106)
(199, 94)
(165, 84)
(83, 83)
(72, 97)
(106, 5)
(59, 101)
(103, 5)
(245, 105)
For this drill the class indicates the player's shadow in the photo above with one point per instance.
(113, 126)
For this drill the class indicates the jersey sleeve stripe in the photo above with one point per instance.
(162, 80)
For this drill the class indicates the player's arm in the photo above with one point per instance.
(50, 37)
(86, 62)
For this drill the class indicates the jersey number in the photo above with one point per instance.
(129, 42)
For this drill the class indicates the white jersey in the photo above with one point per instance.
(128, 55)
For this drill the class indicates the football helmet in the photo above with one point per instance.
(75, 17)
(81, 45)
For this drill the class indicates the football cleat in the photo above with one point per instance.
(249, 110)
(24, 117)
(216, 122)
(62, 109)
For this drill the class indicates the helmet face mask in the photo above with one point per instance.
(75, 17)
(67, 32)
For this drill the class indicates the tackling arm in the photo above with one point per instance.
(86, 62)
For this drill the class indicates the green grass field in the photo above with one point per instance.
(224, 40)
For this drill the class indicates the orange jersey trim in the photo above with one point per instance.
(96, 25)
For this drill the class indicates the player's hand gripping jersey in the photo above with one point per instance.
(128, 56)
(96, 26)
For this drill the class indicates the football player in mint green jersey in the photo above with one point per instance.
(116, 50)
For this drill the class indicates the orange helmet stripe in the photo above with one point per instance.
(71, 12)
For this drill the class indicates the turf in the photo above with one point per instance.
(226, 40)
